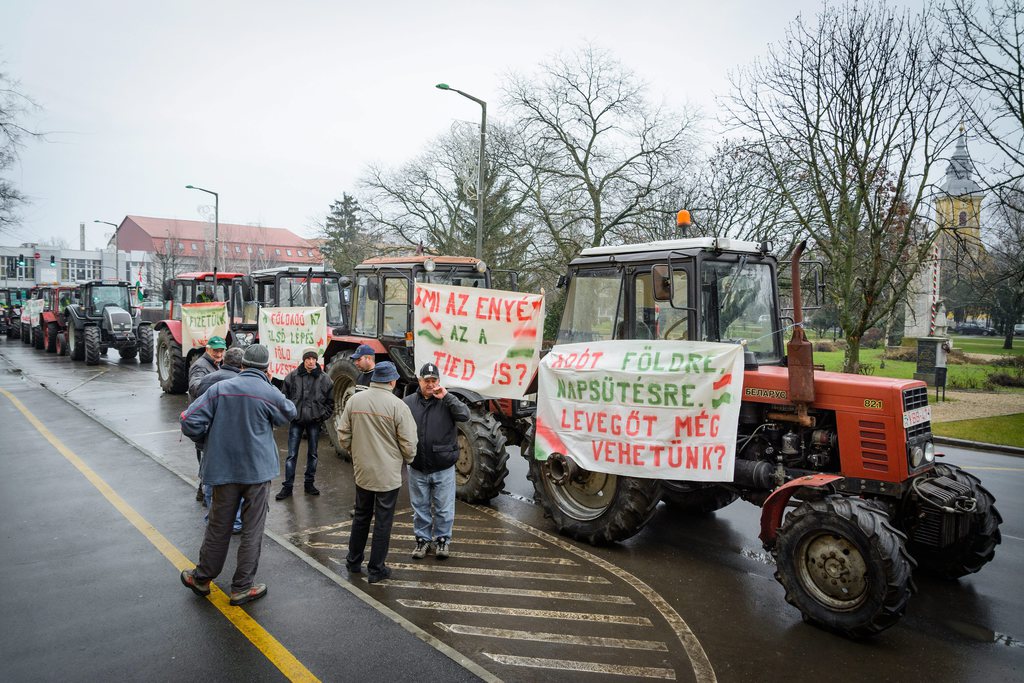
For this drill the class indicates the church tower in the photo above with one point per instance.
(958, 207)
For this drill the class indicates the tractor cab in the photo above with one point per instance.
(288, 286)
(198, 287)
(704, 289)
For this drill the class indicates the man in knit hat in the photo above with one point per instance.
(309, 388)
(237, 417)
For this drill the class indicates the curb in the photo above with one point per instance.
(977, 445)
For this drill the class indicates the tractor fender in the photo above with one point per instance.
(49, 317)
(775, 505)
(172, 326)
(356, 341)
(468, 396)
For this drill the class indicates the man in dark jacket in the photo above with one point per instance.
(432, 473)
(237, 417)
(308, 387)
(205, 365)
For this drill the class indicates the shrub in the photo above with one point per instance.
(824, 346)
(1013, 376)
(872, 338)
(866, 369)
(900, 353)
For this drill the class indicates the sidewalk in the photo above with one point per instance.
(970, 405)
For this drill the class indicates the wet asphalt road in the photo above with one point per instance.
(686, 599)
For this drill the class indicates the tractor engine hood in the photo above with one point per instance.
(117, 320)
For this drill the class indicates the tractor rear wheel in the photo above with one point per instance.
(343, 374)
(170, 364)
(595, 507)
(50, 340)
(692, 498)
(76, 343)
(482, 466)
(145, 344)
(978, 547)
(91, 342)
(844, 566)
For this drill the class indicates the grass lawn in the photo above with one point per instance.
(1007, 430)
(988, 345)
(958, 376)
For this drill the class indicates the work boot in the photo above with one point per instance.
(188, 579)
(441, 548)
(383, 576)
(422, 548)
(286, 492)
(312, 490)
(253, 592)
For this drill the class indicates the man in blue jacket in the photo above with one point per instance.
(432, 473)
(237, 418)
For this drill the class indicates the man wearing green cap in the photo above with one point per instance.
(208, 363)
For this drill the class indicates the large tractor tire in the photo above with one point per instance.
(50, 339)
(128, 352)
(91, 342)
(594, 507)
(14, 330)
(343, 373)
(483, 461)
(62, 344)
(170, 364)
(37, 337)
(978, 547)
(76, 342)
(145, 344)
(844, 566)
(691, 498)
(26, 334)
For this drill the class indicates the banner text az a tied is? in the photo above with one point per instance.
(485, 340)
(655, 409)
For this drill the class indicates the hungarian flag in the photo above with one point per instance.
(138, 284)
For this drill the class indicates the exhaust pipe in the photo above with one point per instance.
(800, 356)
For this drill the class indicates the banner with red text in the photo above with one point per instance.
(287, 331)
(655, 409)
(201, 321)
(485, 340)
(31, 310)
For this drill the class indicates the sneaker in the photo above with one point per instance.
(285, 493)
(442, 550)
(253, 592)
(312, 490)
(422, 548)
(236, 530)
(383, 576)
(189, 581)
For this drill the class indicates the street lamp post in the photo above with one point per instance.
(216, 227)
(117, 230)
(480, 179)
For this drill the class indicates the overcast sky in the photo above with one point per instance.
(279, 106)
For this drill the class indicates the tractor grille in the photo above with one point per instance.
(873, 446)
(917, 398)
(936, 528)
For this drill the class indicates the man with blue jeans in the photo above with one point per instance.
(312, 392)
(432, 472)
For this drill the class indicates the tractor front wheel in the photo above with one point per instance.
(593, 507)
(76, 343)
(978, 546)
(482, 466)
(844, 566)
(37, 337)
(145, 344)
(50, 340)
(343, 374)
(62, 344)
(170, 364)
(91, 338)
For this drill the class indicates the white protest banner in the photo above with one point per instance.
(654, 409)
(287, 331)
(485, 340)
(201, 321)
(31, 310)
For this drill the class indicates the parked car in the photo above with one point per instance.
(1018, 330)
(975, 329)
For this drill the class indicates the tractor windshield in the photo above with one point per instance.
(738, 303)
(321, 291)
(452, 276)
(593, 307)
(109, 295)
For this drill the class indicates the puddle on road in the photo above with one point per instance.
(760, 556)
(983, 634)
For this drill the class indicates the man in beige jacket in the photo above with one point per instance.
(380, 433)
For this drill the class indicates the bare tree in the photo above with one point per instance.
(14, 106)
(851, 113)
(593, 156)
(167, 260)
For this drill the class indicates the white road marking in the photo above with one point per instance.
(480, 571)
(518, 592)
(458, 527)
(589, 667)
(520, 612)
(558, 638)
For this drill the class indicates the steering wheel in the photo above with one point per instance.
(674, 326)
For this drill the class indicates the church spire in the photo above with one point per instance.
(959, 180)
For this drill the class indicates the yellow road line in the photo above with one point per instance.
(271, 648)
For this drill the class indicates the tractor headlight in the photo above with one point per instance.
(929, 452)
(916, 456)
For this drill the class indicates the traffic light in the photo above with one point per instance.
(21, 259)
(53, 260)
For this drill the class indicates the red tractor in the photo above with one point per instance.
(850, 457)
(380, 313)
(172, 362)
(51, 332)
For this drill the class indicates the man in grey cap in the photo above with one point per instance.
(312, 392)
(378, 430)
(237, 417)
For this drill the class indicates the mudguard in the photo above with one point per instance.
(775, 505)
(173, 326)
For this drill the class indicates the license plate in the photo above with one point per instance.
(917, 416)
